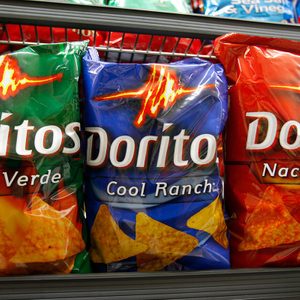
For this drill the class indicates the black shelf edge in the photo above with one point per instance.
(137, 21)
(221, 284)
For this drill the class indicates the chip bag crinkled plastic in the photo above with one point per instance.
(152, 182)
(259, 10)
(41, 165)
(262, 149)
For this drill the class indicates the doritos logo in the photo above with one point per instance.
(285, 132)
(100, 148)
(161, 91)
(12, 80)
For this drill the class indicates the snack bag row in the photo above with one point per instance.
(153, 190)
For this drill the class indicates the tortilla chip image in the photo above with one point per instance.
(270, 224)
(211, 220)
(13, 227)
(109, 242)
(165, 244)
(50, 236)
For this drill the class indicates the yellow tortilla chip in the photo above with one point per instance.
(13, 226)
(50, 236)
(211, 220)
(109, 242)
(270, 224)
(165, 244)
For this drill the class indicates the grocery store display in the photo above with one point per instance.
(262, 147)
(152, 183)
(260, 10)
(41, 166)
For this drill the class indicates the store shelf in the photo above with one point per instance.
(137, 21)
(223, 284)
(227, 284)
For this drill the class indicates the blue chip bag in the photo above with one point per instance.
(298, 11)
(260, 10)
(152, 181)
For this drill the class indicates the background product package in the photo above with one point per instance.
(260, 10)
(153, 43)
(153, 186)
(298, 11)
(41, 166)
(44, 34)
(262, 149)
(157, 5)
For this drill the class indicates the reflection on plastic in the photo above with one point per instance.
(262, 168)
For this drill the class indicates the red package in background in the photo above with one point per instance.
(43, 34)
(262, 144)
(153, 43)
(3, 47)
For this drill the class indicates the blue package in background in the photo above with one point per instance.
(298, 11)
(152, 182)
(260, 10)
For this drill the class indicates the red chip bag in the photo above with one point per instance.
(3, 47)
(262, 149)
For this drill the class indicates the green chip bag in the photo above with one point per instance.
(83, 2)
(41, 165)
(178, 6)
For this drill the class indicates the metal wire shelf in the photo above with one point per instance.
(114, 46)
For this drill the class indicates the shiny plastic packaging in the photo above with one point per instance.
(197, 6)
(41, 166)
(262, 149)
(157, 5)
(86, 2)
(152, 182)
(298, 11)
(260, 10)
